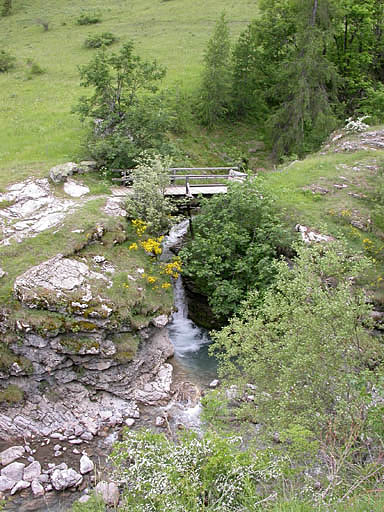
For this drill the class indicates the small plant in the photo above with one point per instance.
(34, 68)
(7, 61)
(99, 40)
(356, 125)
(11, 394)
(88, 19)
(7, 8)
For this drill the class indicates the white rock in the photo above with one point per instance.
(6, 484)
(160, 321)
(11, 454)
(14, 471)
(63, 479)
(57, 447)
(20, 486)
(129, 422)
(214, 383)
(2, 273)
(86, 465)
(160, 421)
(37, 488)
(84, 498)
(87, 436)
(32, 472)
(74, 189)
(61, 172)
(109, 492)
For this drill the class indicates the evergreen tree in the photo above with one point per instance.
(214, 97)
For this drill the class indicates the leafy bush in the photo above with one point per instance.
(148, 202)
(194, 474)
(307, 346)
(7, 61)
(88, 19)
(99, 40)
(127, 116)
(34, 68)
(236, 238)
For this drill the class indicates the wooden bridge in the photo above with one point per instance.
(189, 186)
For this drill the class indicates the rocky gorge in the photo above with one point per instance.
(84, 344)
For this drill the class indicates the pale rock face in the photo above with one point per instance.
(14, 471)
(115, 207)
(59, 281)
(20, 486)
(11, 454)
(32, 472)
(74, 189)
(109, 492)
(158, 389)
(64, 478)
(311, 236)
(86, 465)
(34, 210)
(6, 484)
(37, 488)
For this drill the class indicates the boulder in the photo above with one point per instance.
(64, 478)
(6, 484)
(14, 471)
(37, 488)
(74, 189)
(129, 422)
(160, 321)
(32, 472)
(20, 486)
(86, 465)
(109, 492)
(61, 172)
(213, 384)
(2, 273)
(11, 454)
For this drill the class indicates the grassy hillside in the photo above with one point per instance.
(36, 127)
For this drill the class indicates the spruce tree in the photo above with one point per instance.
(214, 96)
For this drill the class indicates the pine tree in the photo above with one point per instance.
(214, 97)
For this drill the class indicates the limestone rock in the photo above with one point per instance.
(11, 454)
(213, 384)
(109, 492)
(20, 486)
(310, 235)
(64, 478)
(37, 488)
(115, 207)
(59, 284)
(84, 499)
(32, 472)
(2, 273)
(6, 484)
(129, 422)
(86, 465)
(160, 321)
(61, 172)
(157, 390)
(14, 471)
(74, 189)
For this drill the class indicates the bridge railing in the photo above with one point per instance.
(178, 173)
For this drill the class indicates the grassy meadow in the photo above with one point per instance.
(37, 129)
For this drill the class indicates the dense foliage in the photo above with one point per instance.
(303, 66)
(307, 349)
(236, 238)
(147, 201)
(127, 115)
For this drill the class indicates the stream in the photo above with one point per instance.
(193, 368)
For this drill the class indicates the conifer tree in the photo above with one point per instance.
(214, 97)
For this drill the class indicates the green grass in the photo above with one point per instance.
(36, 126)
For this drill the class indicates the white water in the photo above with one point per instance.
(190, 341)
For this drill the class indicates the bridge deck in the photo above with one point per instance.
(195, 190)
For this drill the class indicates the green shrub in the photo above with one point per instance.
(7, 61)
(11, 394)
(88, 19)
(99, 40)
(34, 68)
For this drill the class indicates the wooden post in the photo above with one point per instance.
(190, 219)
